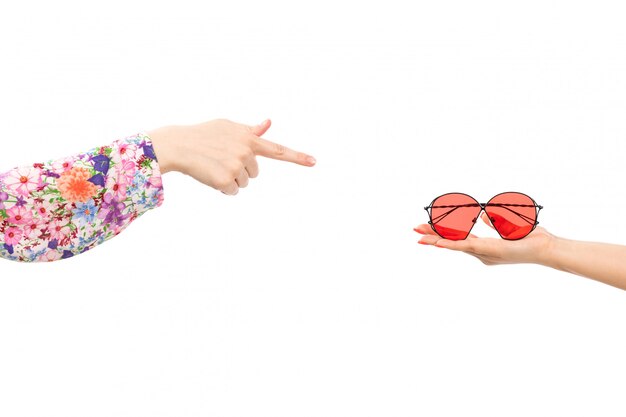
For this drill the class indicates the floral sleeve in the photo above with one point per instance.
(60, 208)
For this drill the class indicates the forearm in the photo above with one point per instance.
(599, 261)
(60, 208)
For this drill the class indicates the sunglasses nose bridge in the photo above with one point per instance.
(482, 208)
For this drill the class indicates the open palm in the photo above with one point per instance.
(492, 251)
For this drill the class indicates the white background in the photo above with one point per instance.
(306, 294)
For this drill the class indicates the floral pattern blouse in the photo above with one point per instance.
(61, 208)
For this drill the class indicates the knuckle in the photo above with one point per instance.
(245, 153)
(224, 123)
(234, 168)
(222, 182)
(279, 149)
(248, 142)
(223, 186)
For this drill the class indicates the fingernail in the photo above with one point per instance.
(311, 160)
(422, 243)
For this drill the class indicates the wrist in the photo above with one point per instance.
(550, 255)
(164, 142)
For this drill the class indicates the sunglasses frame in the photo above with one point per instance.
(482, 209)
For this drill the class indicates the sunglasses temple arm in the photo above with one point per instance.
(520, 215)
(441, 216)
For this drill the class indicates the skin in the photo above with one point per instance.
(599, 261)
(219, 153)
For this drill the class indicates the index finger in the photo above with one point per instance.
(425, 229)
(264, 147)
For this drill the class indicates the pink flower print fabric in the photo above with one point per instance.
(61, 208)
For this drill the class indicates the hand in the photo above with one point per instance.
(533, 248)
(219, 153)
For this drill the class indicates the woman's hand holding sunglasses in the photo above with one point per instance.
(604, 262)
(534, 248)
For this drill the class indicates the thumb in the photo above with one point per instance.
(260, 129)
(486, 219)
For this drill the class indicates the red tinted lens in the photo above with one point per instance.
(512, 214)
(453, 215)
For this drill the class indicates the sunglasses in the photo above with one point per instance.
(513, 215)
